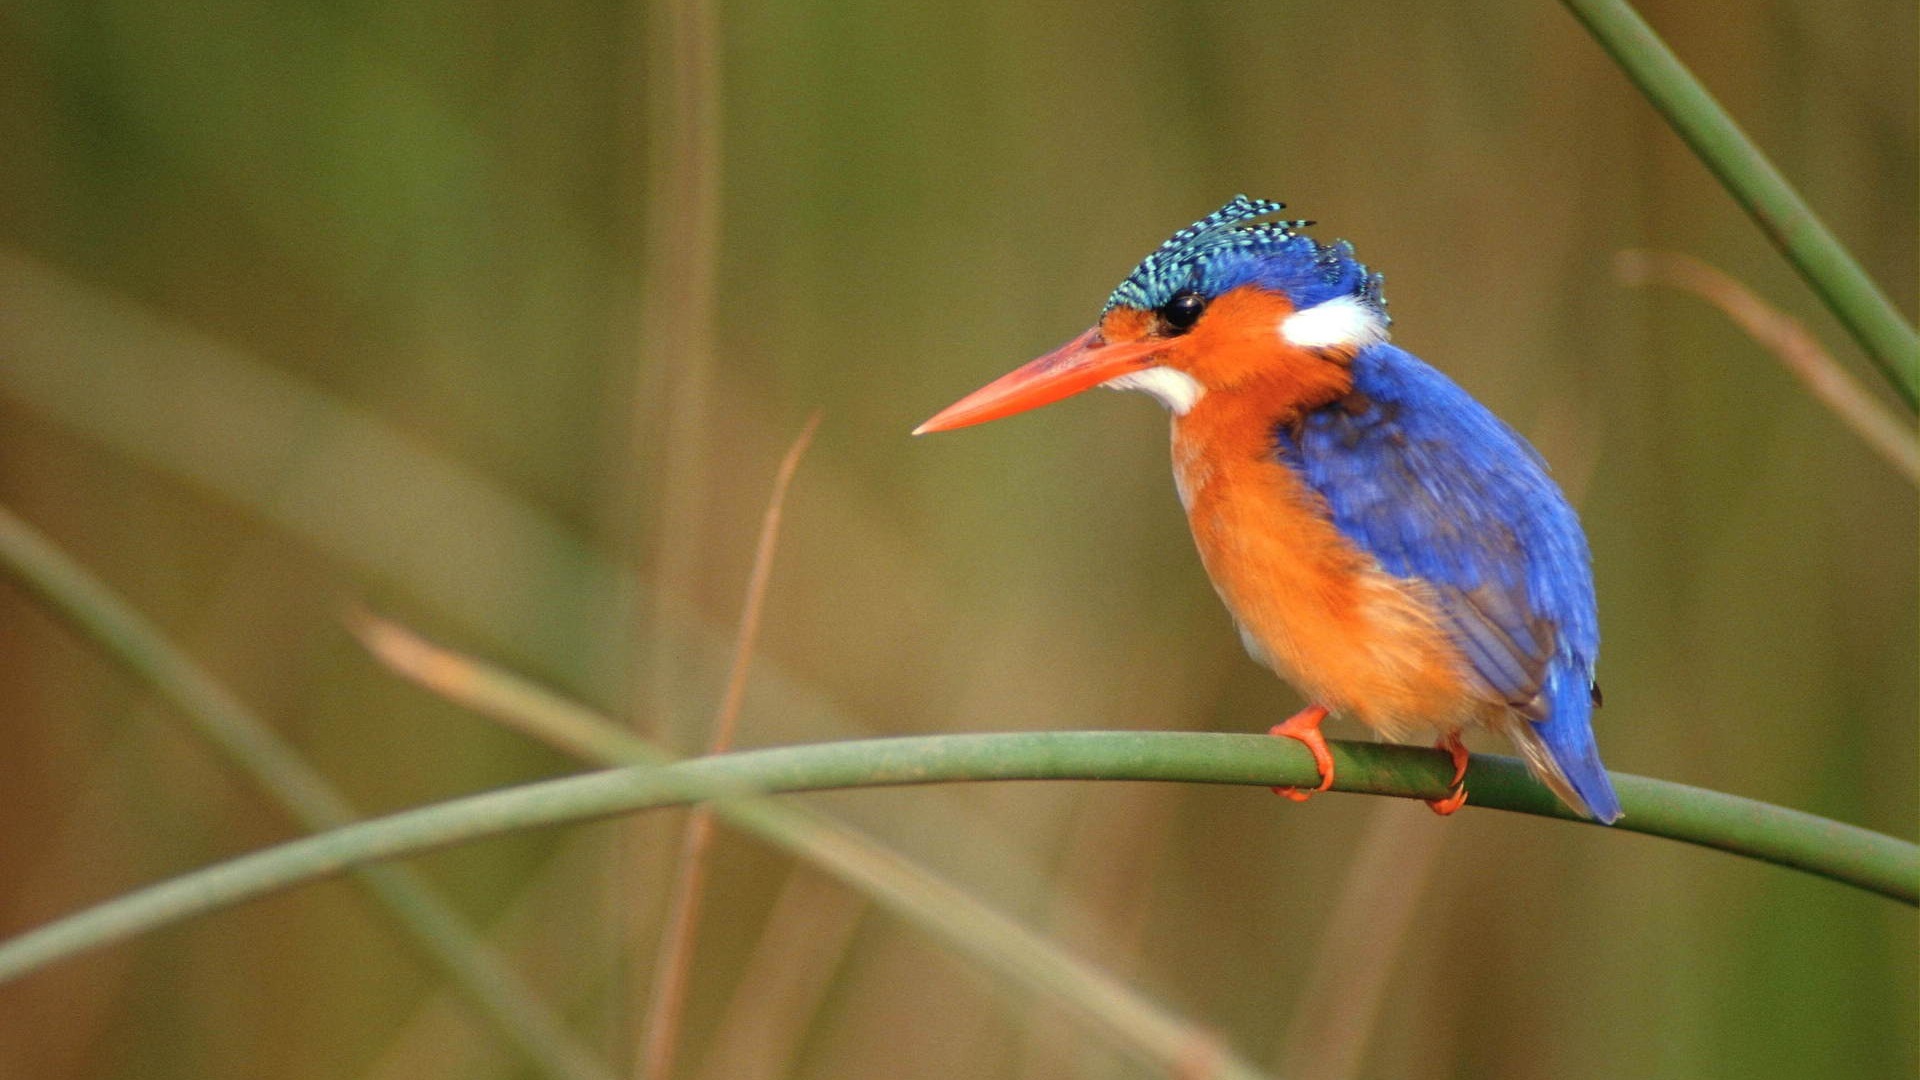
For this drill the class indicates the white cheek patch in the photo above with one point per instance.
(1177, 390)
(1344, 322)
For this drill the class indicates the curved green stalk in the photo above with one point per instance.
(968, 926)
(1753, 180)
(1844, 853)
(278, 771)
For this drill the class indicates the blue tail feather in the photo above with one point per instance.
(1567, 736)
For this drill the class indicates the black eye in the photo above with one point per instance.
(1183, 310)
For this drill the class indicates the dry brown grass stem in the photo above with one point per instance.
(1340, 999)
(673, 68)
(1785, 338)
(801, 946)
(661, 1029)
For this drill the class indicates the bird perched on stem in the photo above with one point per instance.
(1382, 541)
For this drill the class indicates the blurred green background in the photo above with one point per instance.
(415, 305)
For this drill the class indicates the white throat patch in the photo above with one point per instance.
(1175, 389)
(1344, 322)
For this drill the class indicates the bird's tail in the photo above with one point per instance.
(1561, 750)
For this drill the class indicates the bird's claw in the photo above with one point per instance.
(1305, 726)
(1457, 798)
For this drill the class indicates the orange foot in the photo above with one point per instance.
(1458, 751)
(1305, 726)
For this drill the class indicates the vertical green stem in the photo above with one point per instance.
(1774, 205)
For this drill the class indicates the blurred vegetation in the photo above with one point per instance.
(307, 304)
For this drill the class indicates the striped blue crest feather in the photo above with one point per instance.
(1228, 248)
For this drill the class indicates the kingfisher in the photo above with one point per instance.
(1380, 538)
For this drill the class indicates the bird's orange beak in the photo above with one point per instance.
(1084, 362)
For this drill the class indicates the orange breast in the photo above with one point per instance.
(1309, 604)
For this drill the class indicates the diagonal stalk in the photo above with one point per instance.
(660, 1034)
(251, 745)
(1759, 187)
(888, 879)
(1798, 350)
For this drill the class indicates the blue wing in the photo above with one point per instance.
(1434, 486)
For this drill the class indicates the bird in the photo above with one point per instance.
(1381, 539)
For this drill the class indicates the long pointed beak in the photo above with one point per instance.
(1084, 362)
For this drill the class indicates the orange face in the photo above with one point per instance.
(1234, 343)
(1237, 343)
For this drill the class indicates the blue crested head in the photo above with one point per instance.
(1230, 248)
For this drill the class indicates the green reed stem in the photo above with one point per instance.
(1757, 185)
(1843, 853)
